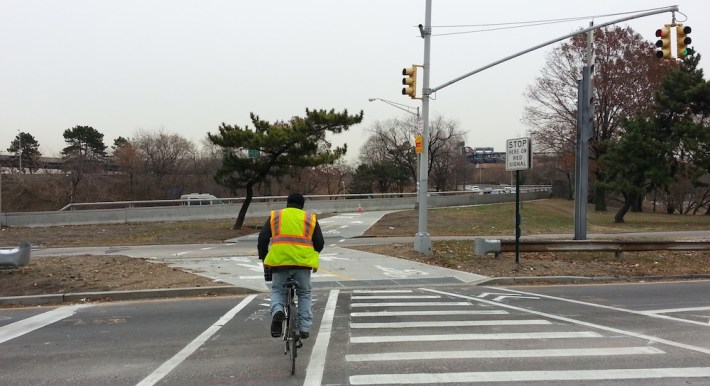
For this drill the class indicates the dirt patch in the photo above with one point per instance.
(85, 273)
(459, 255)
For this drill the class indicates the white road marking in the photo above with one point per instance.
(178, 358)
(385, 297)
(383, 291)
(24, 326)
(316, 365)
(579, 322)
(499, 298)
(462, 337)
(410, 304)
(455, 323)
(671, 310)
(644, 313)
(425, 313)
(181, 253)
(540, 353)
(530, 376)
(206, 248)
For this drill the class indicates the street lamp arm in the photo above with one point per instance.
(400, 106)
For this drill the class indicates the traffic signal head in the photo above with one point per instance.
(410, 81)
(682, 40)
(664, 42)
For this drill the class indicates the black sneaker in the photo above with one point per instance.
(276, 324)
(304, 334)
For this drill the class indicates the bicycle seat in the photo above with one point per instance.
(291, 283)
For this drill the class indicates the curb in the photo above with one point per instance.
(124, 295)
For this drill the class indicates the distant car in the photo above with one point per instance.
(473, 188)
(200, 199)
(509, 189)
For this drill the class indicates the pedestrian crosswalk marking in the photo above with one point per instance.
(482, 336)
(530, 376)
(410, 304)
(426, 313)
(453, 323)
(542, 353)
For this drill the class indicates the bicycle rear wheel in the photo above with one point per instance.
(293, 337)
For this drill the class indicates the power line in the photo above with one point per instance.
(522, 24)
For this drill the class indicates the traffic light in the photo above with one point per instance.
(410, 81)
(682, 40)
(664, 43)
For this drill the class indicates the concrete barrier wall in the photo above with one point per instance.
(256, 209)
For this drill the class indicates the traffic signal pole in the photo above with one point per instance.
(422, 240)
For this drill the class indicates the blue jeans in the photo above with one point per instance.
(279, 293)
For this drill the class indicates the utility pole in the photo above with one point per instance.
(422, 240)
(585, 116)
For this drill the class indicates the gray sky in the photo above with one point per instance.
(186, 66)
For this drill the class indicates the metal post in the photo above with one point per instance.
(422, 240)
(518, 232)
(584, 134)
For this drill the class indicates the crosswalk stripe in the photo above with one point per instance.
(382, 291)
(530, 376)
(541, 353)
(385, 297)
(462, 337)
(452, 323)
(426, 313)
(410, 304)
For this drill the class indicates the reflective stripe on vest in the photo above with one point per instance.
(277, 229)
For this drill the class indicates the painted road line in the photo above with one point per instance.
(530, 376)
(486, 354)
(410, 304)
(580, 322)
(672, 310)
(426, 313)
(644, 313)
(191, 347)
(22, 327)
(455, 323)
(316, 366)
(462, 337)
(393, 297)
(383, 291)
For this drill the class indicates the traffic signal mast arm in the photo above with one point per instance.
(673, 8)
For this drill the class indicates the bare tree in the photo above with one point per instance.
(164, 153)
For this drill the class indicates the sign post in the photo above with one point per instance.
(518, 156)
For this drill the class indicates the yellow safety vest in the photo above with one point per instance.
(291, 239)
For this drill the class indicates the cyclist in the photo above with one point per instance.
(296, 239)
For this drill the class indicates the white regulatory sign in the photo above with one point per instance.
(518, 154)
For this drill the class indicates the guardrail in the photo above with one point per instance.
(94, 213)
(483, 246)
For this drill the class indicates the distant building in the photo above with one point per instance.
(483, 155)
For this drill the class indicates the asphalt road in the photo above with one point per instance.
(378, 320)
(621, 334)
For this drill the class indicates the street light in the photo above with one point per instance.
(410, 110)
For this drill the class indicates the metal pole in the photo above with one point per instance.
(517, 217)
(584, 134)
(422, 240)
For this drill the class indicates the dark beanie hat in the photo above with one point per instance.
(295, 199)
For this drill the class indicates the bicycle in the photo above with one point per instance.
(290, 333)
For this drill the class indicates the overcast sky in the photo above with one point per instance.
(187, 66)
